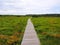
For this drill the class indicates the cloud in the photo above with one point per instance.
(40, 6)
(29, 6)
(12, 12)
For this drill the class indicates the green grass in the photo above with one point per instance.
(48, 29)
(12, 29)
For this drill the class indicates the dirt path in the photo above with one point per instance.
(30, 37)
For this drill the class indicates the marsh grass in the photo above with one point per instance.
(12, 29)
(48, 29)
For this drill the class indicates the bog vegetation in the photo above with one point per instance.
(12, 29)
(48, 29)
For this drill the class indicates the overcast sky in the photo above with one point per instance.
(29, 6)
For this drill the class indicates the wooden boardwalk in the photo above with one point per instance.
(30, 36)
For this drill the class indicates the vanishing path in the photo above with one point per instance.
(30, 36)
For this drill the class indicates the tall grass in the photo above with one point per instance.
(12, 29)
(48, 29)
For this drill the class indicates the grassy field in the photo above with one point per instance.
(48, 29)
(12, 29)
